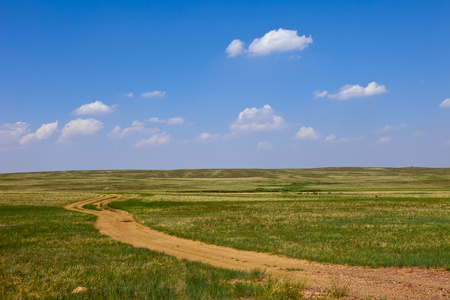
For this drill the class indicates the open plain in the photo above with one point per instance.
(353, 233)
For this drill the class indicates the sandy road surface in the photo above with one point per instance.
(393, 283)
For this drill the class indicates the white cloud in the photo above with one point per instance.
(78, 128)
(330, 138)
(295, 57)
(94, 108)
(258, 119)
(280, 40)
(204, 136)
(136, 128)
(307, 133)
(264, 146)
(385, 140)
(390, 128)
(43, 133)
(154, 140)
(320, 94)
(171, 121)
(354, 91)
(230, 136)
(10, 134)
(235, 48)
(129, 95)
(445, 103)
(153, 94)
(333, 139)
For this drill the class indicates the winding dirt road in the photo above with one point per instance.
(392, 283)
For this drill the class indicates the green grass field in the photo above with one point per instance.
(359, 216)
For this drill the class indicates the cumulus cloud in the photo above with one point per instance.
(43, 133)
(391, 128)
(153, 94)
(264, 146)
(11, 134)
(235, 48)
(171, 121)
(307, 133)
(136, 128)
(280, 40)
(384, 140)
(258, 119)
(79, 128)
(154, 140)
(445, 103)
(333, 139)
(94, 108)
(353, 91)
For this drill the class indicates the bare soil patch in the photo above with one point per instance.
(392, 283)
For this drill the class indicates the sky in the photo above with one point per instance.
(223, 84)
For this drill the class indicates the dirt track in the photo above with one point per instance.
(393, 283)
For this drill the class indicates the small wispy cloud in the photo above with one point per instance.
(419, 133)
(388, 128)
(264, 146)
(155, 140)
(445, 103)
(129, 95)
(204, 136)
(171, 121)
(153, 94)
(320, 94)
(95, 108)
(136, 128)
(353, 91)
(280, 40)
(384, 140)
(334, 139)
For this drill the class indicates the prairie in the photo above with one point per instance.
(357, 216)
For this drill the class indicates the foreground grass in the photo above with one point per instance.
(370, 232)
(47, 252)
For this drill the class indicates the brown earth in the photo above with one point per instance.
(386, 283)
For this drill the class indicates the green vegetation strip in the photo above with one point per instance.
(369, 232)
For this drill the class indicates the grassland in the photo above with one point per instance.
(382, 232)
(360, 216)
(47, 252)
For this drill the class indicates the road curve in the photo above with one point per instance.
(393, 283)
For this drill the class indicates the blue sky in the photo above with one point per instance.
(228, 84)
